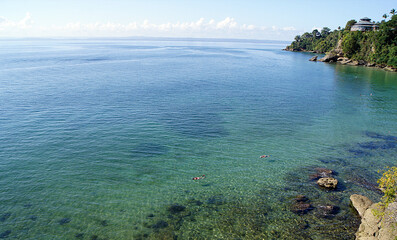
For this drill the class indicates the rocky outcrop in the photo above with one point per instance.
(375, 227)
(328, 182)
(313, 59)
(360, 203)
(330, 57)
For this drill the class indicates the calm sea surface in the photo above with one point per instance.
(100, 139)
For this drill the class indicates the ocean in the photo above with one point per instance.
(101, 139)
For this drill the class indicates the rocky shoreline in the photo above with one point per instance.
(337, 56)
(375, 227)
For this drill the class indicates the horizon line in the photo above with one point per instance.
(192, 39)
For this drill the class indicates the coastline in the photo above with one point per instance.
(338, 57)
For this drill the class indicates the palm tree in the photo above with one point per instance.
(393, 11)
(384, 16)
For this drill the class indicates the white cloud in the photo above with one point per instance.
(24, 23)
(227, 27)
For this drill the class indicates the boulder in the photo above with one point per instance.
(331, 57)
(353, 63)
(313, 59)
(328, 182)
(360, 203)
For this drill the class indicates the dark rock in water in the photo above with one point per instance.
(176, 208)
(301, 205)
(321, 173)
(160, 224)
(64, 221)
(301, 208)
(333, 160)
(378, 145)
(104, 223)
(79, 235)
(362, 181)
(94, 237)
(28, 205)
(4, 217)
(301, 198)
(195, 202)
(217, 200)
(33, 218)
(5, 234)
(327, 211)
(380, 136)
(359, 153)
(150, 215)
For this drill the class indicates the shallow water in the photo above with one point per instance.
(100, 139)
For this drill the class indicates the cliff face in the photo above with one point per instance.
(375, 227)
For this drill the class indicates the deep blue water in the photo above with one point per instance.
(101, 139)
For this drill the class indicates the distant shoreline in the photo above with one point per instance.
(138, 38)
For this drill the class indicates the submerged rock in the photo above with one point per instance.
(301, 208)
(301, 205)
(5, 234)
(327, 211)
(160, 224)
(328, 182)
(4, 217)
(64, 221)
(176, 208)
(321, 173)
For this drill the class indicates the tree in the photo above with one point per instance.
(298, 38)
(384, 16)
(350, 43)
(349, 24)
(325, 31)
(316, 33)
(393, 11)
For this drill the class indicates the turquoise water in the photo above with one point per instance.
(100, 139)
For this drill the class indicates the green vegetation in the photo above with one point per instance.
(316, 41)
(379, 47)
(388, 185)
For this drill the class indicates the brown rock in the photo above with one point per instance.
(327, 210)
(301, 207)
(360, 203)
(313, 59)
(321, 173)
(301, 198)
(329, 57)
(328, 182)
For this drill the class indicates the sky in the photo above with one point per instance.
(241, 19)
